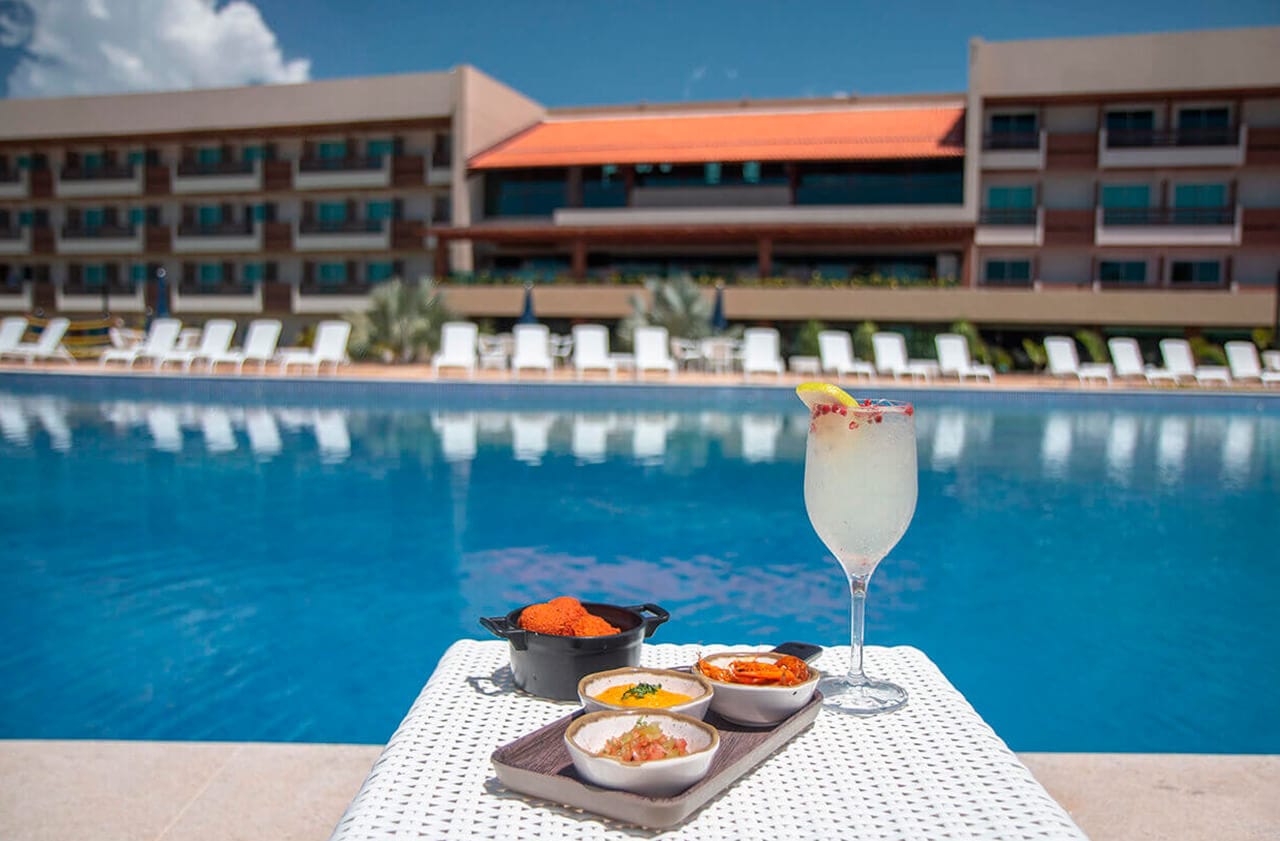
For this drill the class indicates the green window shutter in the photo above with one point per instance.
(210, 274)
(379, 210)
(209, 155)
(380, 147)
(1011, 198)
(259, 212)
(332, 211)
(137, 216)
(1200, 195)
(751, 172)
(24, 217)
(138, 273)
(331, 150)
(332, 273)
(24, 162)
(209, 214)
(379, 271)
(95, 274)
(1126, 196)
(253, 272)
(93, 217)
(137, 157)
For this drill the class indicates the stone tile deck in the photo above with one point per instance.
(207, 791)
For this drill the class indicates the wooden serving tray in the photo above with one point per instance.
(538, 765)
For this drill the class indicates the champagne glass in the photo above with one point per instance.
(860, 493)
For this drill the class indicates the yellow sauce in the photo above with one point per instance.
(661, 698)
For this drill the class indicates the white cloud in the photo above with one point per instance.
(90, 46)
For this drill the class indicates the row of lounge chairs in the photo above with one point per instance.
(1178, 366)
(261, 339)
(47, 347)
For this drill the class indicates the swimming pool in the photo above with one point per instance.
(175, 567)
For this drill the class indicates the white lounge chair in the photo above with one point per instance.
(329, 348)
(215, 341)
(1271, 360)
(891, 358)
(161, 339)
(1128, 361)
(1065, 362)
(48, 346)
(591, 350)
(12, 329)
(1242, 357)
(458, 341)
(653, 351)
(1177, 357)
(953, 358)
(760, 352)
(532, 350)
(259, 346)
(835, 349)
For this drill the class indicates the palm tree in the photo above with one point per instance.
(676, 304)
(402, 323)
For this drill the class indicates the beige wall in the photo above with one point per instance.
(1203, 60)
(1049, 307)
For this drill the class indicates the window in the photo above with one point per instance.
(332, 212)
(893, 183)
(711, 173)
(1013, 123)
(1122, 271)
(1122, 121)
(91, 160)
(1126, 196)
(209, 215)
(331, 150)
(93, 218)
(138, 273)
(381, 147)
(25, 217)
(751, 172)
(379, 271)
(137, 216)
(254, 272)
(138, 157)
(332, 274)
(256, 153)
(380, 210)
(209, 155)
(260, 212)
(1208, 272)
(1008, 272)
(1007, 198)
(1204, 118)
(1200, 195)
(209, 274)
(94, 275)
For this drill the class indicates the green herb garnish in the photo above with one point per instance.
(640, 690)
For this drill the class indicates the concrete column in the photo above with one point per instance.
(573, 186)
(441, 258)
(968, 271)
(764, 257)
(578, 261)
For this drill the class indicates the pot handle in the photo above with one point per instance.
(500, 627)
(651, 623)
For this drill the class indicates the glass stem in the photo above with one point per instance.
(858, 596)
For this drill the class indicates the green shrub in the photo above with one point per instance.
(977, 347)
(863, 347)
(1263, 337)
(1035, 352)
(402, 323)
(1001, 359)
(1206, 352)
(806, 341)
(1095, 347)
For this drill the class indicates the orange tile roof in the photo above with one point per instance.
(880, 134)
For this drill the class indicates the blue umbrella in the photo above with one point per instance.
(527, 317)
(718, 321)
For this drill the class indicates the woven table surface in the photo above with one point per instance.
(931, 770)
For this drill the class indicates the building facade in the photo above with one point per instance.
(1098, 181)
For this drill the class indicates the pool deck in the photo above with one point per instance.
(202, 791)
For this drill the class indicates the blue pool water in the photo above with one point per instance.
(1091, 579)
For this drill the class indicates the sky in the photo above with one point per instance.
(560, 52)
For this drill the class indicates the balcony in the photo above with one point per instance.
(108, 180)
(312, 297)
(1157, 226)
(104, 239)
(14, 184)
(1176, 147)
(1010, 226)
(192, 296)
(342, 173)
(439, 170)
(234, 237)
(870, 214)
(349, 235)
(192, 177)
(1007, 150)
(15, 295)
(15, 240)
(123, 295)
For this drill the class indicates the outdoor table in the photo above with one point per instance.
(808, 365)
(932, 769)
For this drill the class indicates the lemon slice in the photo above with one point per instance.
(823, 394)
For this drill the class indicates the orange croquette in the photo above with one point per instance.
(564, 617)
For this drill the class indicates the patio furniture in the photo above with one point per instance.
(259, 346)
(458, 341)
(933, 769)
(760, 352)
(652, 351)
(686, 353)
(125, 338)
(561, 349)
(531, 350)
(835, 347)
(493, 353)
(1177, 357)
(1243, 359)
(1128, 361)
(215, 341)
(720, 353)
(1271, 360)
(591, 350)
(1065, 362)
(809, 366)
(12, 329)
(891, 358)
(329, 348)
(48, 346)
(953, 358)
(161, 339)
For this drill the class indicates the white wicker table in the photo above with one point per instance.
(931, 770)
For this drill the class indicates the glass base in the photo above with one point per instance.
(868, 697)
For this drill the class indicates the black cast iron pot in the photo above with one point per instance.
(550, 666)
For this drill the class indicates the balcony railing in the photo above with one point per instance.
(340, 164)
(122, 286)
(1145, 138)
(319, 287)
(1168, 215)
(11, 232)
(9, 175)
(219, 229)
(346, 226)
(1000, 140)
(1007, 216)
(107, 172)
(234, 287)
(99, 232)
(196, 168)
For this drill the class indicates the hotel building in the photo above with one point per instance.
(1128, 181)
